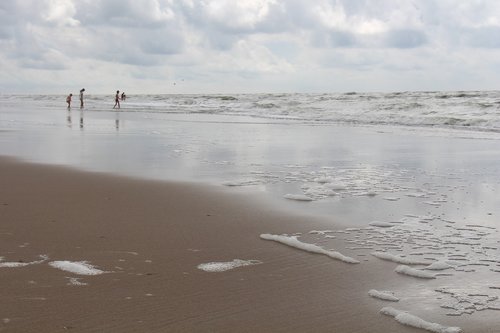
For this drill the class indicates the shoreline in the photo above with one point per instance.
(149, 237)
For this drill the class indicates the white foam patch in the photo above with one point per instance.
(14, 264)
(383, 295)
(297, 197)
(294, 242)
(320, 232)
(226, 266)
(17, 264)
(337, 186)
(467, 301)
(323, 180)
(439, 266)
(381, 224)
(242, 182)
(76, 282)
(407, 270)
(399, 259)
(417, 195)
(76, 267)
(408, 319)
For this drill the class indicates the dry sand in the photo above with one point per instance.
(150, 237)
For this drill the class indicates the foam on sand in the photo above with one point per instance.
(297, 197)
(76, 267)
(408, 319)
(242, 182)
(439, 266)
(381, 224)
(406, 270)
(383, 295)
(17, 264)
(399, 259)
(294, 242)
(225, 266)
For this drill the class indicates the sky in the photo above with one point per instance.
(248, 46)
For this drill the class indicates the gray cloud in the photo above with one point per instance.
(483, 37)
(405, 38)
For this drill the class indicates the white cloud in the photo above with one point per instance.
(280, 45)
(60, 12)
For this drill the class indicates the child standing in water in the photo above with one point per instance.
(68, 100)
(81, 98)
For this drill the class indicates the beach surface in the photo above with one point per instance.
(143, 242)
(250, 213)
(148, 238)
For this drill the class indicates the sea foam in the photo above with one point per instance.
(381, 224)
(294, 242)
(17, 264)
(408, 319)
(297, 197)
(383, 295)
(406, 270)
(225, 266)
(78, 267)
(399, 259)
(439, 266)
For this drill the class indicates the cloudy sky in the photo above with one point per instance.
(229, 46)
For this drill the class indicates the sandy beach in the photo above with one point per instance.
(149, 238)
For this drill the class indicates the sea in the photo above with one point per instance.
(465, 110)
(412, 178)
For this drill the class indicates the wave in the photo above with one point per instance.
(472, 111)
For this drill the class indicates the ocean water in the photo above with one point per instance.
(474, 111)
(411, 178)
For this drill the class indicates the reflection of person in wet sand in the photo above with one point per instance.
(117, 121)
(81, 119)
(68, 100)
(81, 98)
(69, 119)
(117, 99)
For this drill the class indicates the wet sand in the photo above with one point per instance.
(149, 237)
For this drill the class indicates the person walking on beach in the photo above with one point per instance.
(81, 98)
(123, 96)
(117, 99)
(68, 100)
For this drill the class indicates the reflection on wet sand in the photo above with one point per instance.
(117, 121)
(68, 119)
